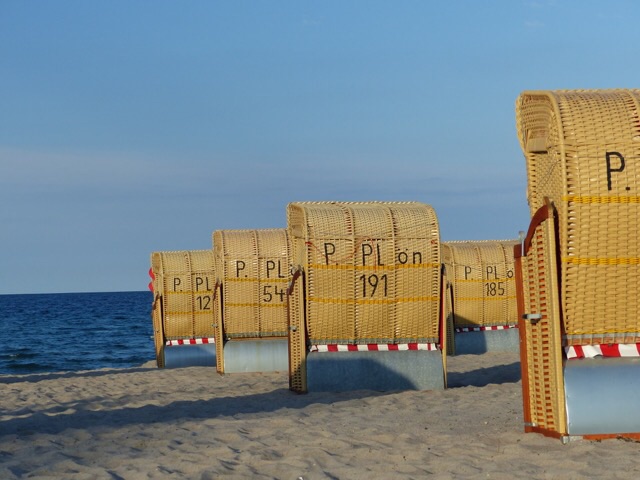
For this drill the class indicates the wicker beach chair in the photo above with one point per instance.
(252, 273)
(367, 277)
(578, 268)
(481, 277)
(183, 308)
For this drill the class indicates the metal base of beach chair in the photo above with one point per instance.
(379, 371)
(179, 356)
(602, 396)
(264, 355)
(474, 343)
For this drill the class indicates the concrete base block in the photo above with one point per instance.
(178, 356)
(266, 355)
(602, 395)
(379, 371)
(487, 341)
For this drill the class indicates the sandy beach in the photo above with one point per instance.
(192, 423)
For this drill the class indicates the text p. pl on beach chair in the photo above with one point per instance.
(578, 269)
(183, 311)
(365, 304)
(482, 313)
(253, 272)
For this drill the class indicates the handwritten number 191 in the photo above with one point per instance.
(372, 282)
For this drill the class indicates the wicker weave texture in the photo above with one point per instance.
(184, 280)
(372, 271)
(253, 269)
(543, 377)
(582, 150)
(482, 276)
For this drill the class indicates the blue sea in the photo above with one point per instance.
(75, 331)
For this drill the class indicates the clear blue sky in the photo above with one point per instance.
(128, 127)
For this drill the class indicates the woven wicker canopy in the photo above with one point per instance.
(372, 270)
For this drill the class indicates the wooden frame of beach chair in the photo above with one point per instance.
(367, 276)
(483, 291)
(578, 271)
(183, 308)
(253, 273)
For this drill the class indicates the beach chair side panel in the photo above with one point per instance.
(540, 327)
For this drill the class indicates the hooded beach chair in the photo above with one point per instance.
(253, 272)
(365, 304)
(482, 312)
(578, 269)
(183, 312)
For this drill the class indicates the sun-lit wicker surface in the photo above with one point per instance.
(183, 296)
(370, 274)
(253, 269)
(582, 150)
(482, 277)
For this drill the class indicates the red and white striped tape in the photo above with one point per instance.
(482, 329)
(190, 341)
(613, 350)
(373, 347)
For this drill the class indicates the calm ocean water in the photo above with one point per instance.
(75, 331)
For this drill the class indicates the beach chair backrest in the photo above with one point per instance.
(482, 277)
(253, 271)
(582, 150)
